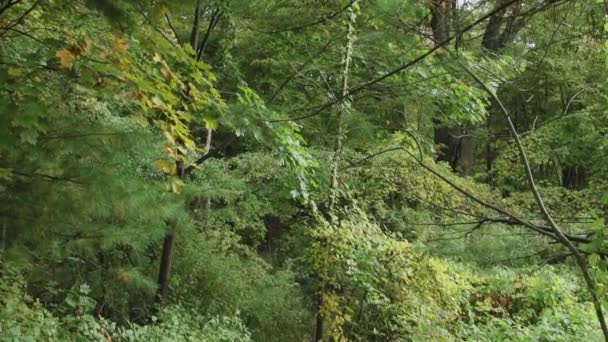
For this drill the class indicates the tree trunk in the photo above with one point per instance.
(319, 320)
(467, 151)
(344, 106)
(196, 25)
(165, 266)
(447, 145)
(166, 259)
(343, 111)
(492, 33)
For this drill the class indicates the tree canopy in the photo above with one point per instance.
(303, 170)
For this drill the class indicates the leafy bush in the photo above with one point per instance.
(220, 276)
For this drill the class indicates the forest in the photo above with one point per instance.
(303, 170)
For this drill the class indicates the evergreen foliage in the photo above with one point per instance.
(303, 170)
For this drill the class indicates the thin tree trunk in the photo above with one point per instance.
(164, 272)
(215, 18)
(196, 26)
(467, 151)
(165, 265)
(319, 321)
(342, 111)
(445, 138)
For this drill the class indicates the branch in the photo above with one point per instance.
(143, 13)
(20, 19)
(513, 219)
(208, 154)
(8, 5)
(578, 256)
(304, 65)
(208, 142)
(168, 19)
(83, 135)
(215, 18)
(49, 177)
(565, 112)
(403, 67)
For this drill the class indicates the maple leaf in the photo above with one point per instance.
(66, 58)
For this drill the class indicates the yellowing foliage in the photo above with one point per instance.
(66, 58)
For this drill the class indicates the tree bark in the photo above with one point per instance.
(215, 18)
(196, 26)
(457, 145)
(165, 265)
(467, 151)
(491, 35)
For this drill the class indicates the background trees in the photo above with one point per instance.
(297, 170)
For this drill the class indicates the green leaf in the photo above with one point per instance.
(211, 123)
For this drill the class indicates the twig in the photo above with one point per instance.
(304, 65)
(20, 19)
(8, 5)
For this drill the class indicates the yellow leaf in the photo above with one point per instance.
(157, 58)
(84, 45)
(123, 65)
(156, 101)
(66, 59)
(210, 123)
(169, 137)
(165, 71)
(120, 45)
(123, 276)
(181, 149)
(166, 166)
(176, 185)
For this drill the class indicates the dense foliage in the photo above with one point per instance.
(298, 170)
